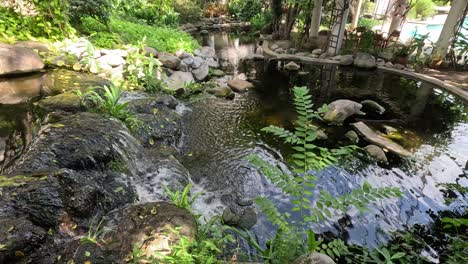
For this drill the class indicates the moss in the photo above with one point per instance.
(19, 180)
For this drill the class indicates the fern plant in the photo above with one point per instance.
(182, 198)
(299, 182)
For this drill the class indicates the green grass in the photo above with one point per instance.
(163, 39)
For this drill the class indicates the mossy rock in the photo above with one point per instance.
(59, 81)
(65, 102)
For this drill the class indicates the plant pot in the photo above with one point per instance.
(403, 60)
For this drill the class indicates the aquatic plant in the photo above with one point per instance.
(181, 198)
(300, 182)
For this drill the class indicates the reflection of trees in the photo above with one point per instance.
(16, 133)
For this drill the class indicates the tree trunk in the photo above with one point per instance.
(277, 10)
(338, 28)
(357, 13)
(316, 17)
(397, 13)
(454, 17)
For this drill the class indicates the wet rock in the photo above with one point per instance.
(314, 258)
(83, 141)
(63, 102)
(243, 218)
(17, 59)
(379, 140)
(352, 136)
(18, 237)
(223, 92)
(149, 51)
(148, 105)
(151, 226)
(64, 60)
(346, 60)
(161, 128)
(364, 60)
(201, 72)
(20, 89)
(33, 45)
(340, 110)
(377, 153)
(112, 60)
(373, 106)
(244, 201)
(59, 81)
(169, 61)
(179, 79)
(239, 86)
(292, 66)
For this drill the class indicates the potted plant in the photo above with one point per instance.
(401, 54)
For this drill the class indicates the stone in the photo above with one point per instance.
(60, 80)
(64, 60)
(292, 66)
(336, 58)
(386, 55)
(20, 90)
(389, 64)
(18, 60)
(379, 140)
(157, 220)
(376, 153)
(373, 106)
(284, 44)
(239, 86)
(292, 51)
(183, 67)
(274, 47)
(189, 61)
(179, 79)
(204, 32)
(323, 56)
(352, 136)
(60, 102)
(34, 45)
(201, 72)
(197, 62)
(317, 51)
(230, 217)
(364, 60)
(244, 218)
(169, 61)
(149, 51)
(346, 60)
(212, 63)
(117, 73)
(398, 66)
(340, 110)
(116, 52)
(302, 54)
(314, 258)
(244, 201)
(223, 92)
(380, 62)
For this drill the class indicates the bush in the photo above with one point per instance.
(105, 40)
(97, 9)
(368, 23)
(163, 39)
(159, 12)
(422, 9)
(245, 10)
(260, 20)
(188, 11)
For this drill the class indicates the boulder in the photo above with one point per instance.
(352, 136)
(346, 60)
(244, 218)
(189, 61)
(292, 66)
(150, 226)
(169, 61)
(314, 258)
(376, 153)
(364, 60)
(183, 67)
(205, 52)
(20, 89)
(239, 86)
(179, 79)
(379, 140)
(197, 62)
(59, 81)
(33, 45)
(340, 110)
(149, 51)
(64, 60)
(201, 72)
(18, 60)
(61, 102)
(223, 92)
(112, 60)
(212, 63)
(373, 106)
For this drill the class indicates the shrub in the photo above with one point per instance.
(422, 9)
(245, 9)
(159, 12)
(260, 20)
(368, 23)
(97, 9)
(163, 39)
(105, 40)
(188, 11)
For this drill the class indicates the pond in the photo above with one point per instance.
(219, 134)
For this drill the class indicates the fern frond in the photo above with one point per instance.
(286, 135)
(272, 213)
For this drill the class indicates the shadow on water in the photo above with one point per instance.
(219, 134)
